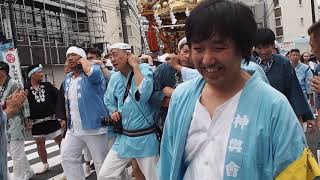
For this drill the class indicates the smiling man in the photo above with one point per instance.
(226, 124)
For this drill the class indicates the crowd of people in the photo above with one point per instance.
(226, 106)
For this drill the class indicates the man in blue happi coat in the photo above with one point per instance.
(226, 124)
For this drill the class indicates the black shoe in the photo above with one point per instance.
(92, 167)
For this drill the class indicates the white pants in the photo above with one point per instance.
(87, 154)
(113, 166)
(19, 159)
(71, 152)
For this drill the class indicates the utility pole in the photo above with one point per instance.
(129, 6)
(265, 14)
(313, 11)
(12, 22)
(88, 21)
(123, 15)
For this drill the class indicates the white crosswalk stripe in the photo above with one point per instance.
(35, 155)
(34, 160)
(54, 160)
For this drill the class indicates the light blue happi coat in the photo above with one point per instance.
(135, 113)
(265, 136)
(304, 74)
(252, 67)
(3, 147)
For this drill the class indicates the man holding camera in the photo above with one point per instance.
(84, 89)
(127, 99)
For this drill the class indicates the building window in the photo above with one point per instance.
(279, 39)
(277, 12)
(302, 21)
(276, 3)
(118, 11)
(129, 30)
(120, 32)
(253, 10)
(279, 31)
(104, 16)
(260, 25)
(300, 2)
(278, 22)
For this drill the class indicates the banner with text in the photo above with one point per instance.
(11, 57)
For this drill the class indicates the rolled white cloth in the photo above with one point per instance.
(76, 50)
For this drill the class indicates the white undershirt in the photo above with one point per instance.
(76, 127)
(207, 141)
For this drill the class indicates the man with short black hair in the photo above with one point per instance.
(93, 53)
(303, 72)
(314, 33)
(226, 124)
(281, 74)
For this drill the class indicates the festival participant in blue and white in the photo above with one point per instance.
(226, 124)
(303, 72)
(169, 75)
(182, 62)
(42, 98)
(84, 89)
(15, 126)
(11, 106)
(127, 99)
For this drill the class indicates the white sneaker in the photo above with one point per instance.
(45, 168)
(87, 170)
(28, 174)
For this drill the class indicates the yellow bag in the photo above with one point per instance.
(304, 168)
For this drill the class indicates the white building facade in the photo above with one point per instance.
(113, 25)
(291, 19)
(317, 9)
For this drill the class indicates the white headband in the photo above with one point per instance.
(34, 70)
(76, 50)
(182, 42)
(123, 46)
